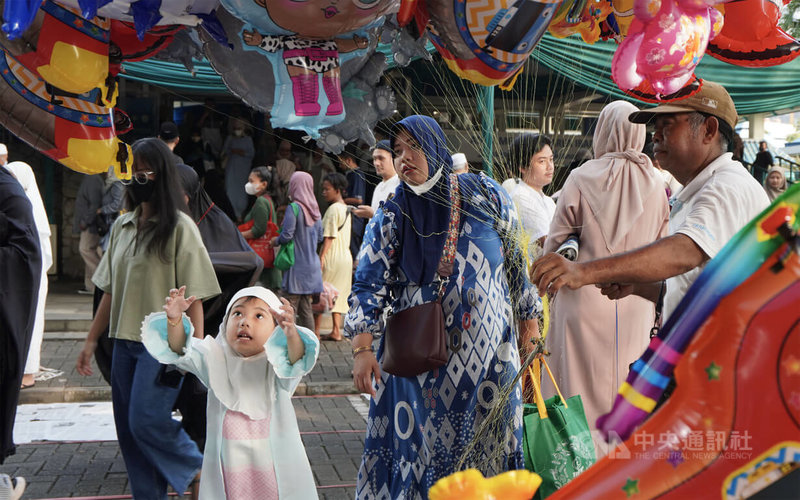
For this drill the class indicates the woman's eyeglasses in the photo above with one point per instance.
(140, 177)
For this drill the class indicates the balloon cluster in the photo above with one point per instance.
(313, 65)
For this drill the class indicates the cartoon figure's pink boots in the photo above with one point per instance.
(334, 93)
(305, 90)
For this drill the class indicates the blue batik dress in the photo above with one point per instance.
(418, 428)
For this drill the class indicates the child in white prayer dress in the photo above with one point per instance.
(253, 448)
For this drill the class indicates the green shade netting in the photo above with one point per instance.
(754, 90)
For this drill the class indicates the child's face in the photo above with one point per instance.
(249, 326)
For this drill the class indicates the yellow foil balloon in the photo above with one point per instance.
(471, 485)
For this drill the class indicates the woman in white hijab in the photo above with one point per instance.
(613, 203)
(22, 171)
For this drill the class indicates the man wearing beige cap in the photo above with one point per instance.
(719, 197)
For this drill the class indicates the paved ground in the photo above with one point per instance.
(330, 416)
(332, 428)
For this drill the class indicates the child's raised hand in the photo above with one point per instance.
(285, 316)
(176, 304)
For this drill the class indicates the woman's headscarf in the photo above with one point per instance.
(617, 183)
(773, 193)
(301, 189)
(423, 219)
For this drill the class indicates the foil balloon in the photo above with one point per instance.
(471, 485)
(306, 43)
(132, 48)
(751, 36)
(486, 41)
(73, 130)
(366, 103)
(315, 19)
(19, 14)
(145, 14)
(584, 17)
(732, 426)
(256, 86)
(66, 51)
(665, 43)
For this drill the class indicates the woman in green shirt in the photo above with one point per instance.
(152, 249)
(263, 211)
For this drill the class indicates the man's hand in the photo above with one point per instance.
(615, 291)
(552, 271)
(363, 211)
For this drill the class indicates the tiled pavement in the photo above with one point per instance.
(330, 416)
(332, 428)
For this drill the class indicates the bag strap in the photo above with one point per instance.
(445, 268)
(345, 221)
(538, 398)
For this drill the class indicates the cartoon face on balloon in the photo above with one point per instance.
(324, 19)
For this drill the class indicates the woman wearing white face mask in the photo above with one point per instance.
(237, 153)
(261, 214)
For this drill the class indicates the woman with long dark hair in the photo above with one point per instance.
(152, 249)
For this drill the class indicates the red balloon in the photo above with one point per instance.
(751, 36)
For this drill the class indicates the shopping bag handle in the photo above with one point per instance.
(538, 398)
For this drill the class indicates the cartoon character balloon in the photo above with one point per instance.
(584, 17)
(487, 41)
(664, 44)
(751, 36)
(75, 131)
(306, 43)
(67, 51)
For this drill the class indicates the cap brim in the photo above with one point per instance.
(649, 115)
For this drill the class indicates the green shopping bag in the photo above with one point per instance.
(556, 440)
(284, 259)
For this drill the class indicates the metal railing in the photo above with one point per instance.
(792, 168)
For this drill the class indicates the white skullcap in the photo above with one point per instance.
(3, 149)
(459, 161)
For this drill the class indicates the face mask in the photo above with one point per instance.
(142, 192)
(250, 189)
(238, 133)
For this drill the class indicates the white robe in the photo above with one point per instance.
(258, 386)
(24, 174)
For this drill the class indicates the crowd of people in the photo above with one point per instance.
(422, 230)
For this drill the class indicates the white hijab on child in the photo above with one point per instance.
(242, 384)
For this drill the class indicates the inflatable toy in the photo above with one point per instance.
(65, 50)
(751, 36)
(73, 130)
(18, 14)
(665, 43)
(732, 426)
(584, 17)
(486, 41)
(306, 43)
(471, 485)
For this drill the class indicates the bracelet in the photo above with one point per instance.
(178, 322)
(359, 350)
